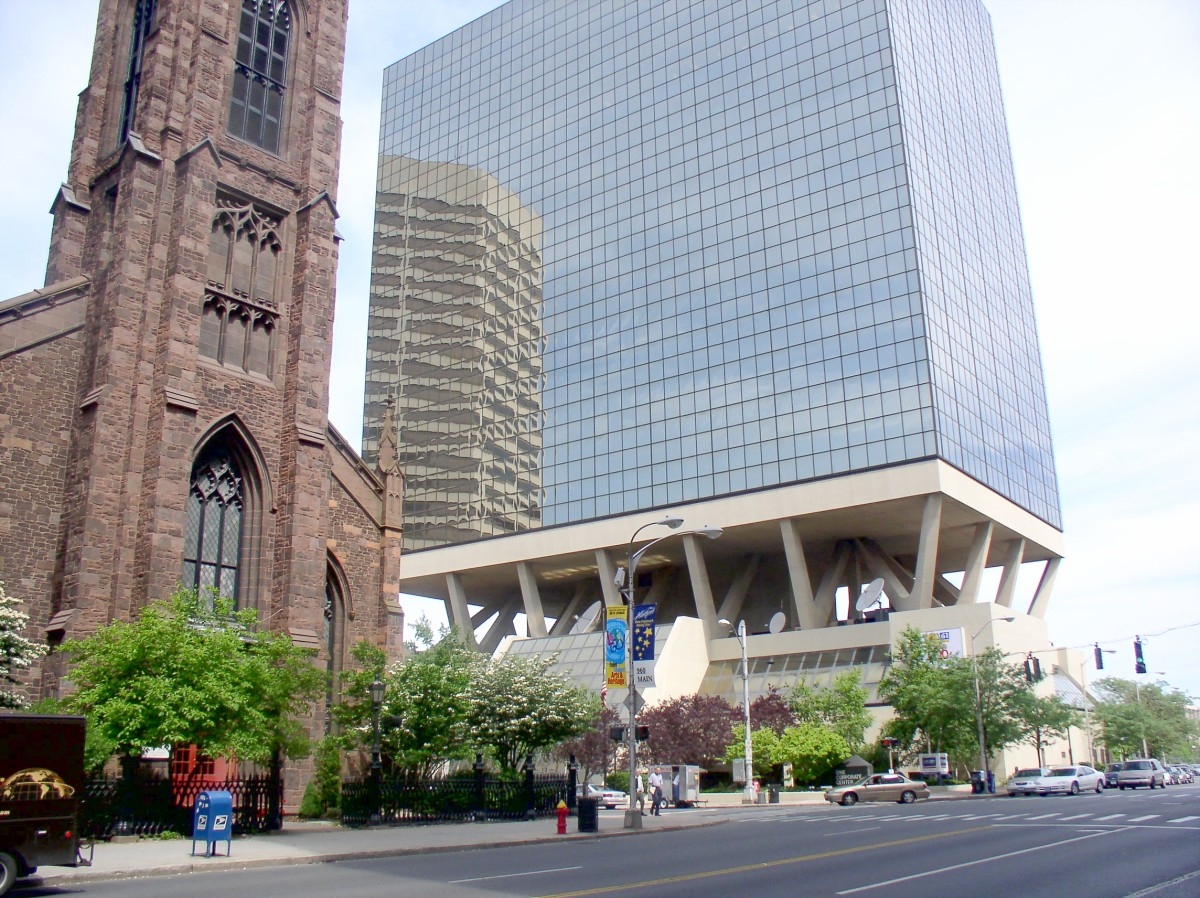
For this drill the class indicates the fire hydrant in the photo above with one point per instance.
(562, 818)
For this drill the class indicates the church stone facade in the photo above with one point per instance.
(164, 397)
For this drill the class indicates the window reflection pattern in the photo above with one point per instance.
(751, 272)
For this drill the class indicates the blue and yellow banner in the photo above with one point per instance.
(616, 629)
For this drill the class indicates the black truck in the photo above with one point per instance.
(41, 784)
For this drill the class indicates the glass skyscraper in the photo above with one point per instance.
(637, 255)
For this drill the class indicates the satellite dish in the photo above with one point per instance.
(778, 621)
(870, 595)
(583, 623)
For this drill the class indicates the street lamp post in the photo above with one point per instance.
(748, 795)
(627, 580)
(983, 758)
(377, 690)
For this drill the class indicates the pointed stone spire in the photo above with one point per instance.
(387, 440)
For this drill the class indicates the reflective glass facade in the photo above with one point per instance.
(749, 244)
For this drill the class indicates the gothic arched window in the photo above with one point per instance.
(212, 535)
(256, 108)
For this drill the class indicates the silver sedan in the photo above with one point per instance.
(1072, 780)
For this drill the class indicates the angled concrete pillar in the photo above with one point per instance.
(535, 619)
(1041, 598)
(823, 605)
(698, 573)
(731, 605)
(981, 544)
(1008, 579)
(804, 611)
(608, 578)
(573, 608)
(926, 572)
(503, 625)
(460, 616)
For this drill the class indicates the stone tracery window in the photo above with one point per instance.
(212, 535)
(240, 310)
(256, 106)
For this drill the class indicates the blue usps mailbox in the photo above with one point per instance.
(212, 822)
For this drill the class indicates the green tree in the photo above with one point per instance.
(182, 673)
(16, 651)
(1043, 719)
(811, 749)
(1130, 714)
(519, 706)
(841, 706)
(764, 744)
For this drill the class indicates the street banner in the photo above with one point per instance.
(643, 632)
(643, 645)
(616, 627)
(952, 642)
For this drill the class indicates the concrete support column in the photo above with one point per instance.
(803, 603)
(608, 578)
(976, 562)
(731, 605)
(701, 589)
(926, 572)
(456, 605)
(1041, 598)
(1008, 579)
(532, 599)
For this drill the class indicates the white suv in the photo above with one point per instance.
(1142, 772)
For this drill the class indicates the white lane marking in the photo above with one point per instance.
(1076, 817)
(511, 875)
(1183, 819)
(1147, 817)
(1109, 817)
(982, 860)
(980, 816)
(1043, 816)
(1162, 885)
(1011, 817)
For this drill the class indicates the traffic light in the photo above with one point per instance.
(1139, 660)
(1099, 658)
(1033, 669)
(642, 733)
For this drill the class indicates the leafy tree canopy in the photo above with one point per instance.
(692, 729)
(1129, 712)
(185, 673)
(841, 706)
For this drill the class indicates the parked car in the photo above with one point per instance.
(1169, 777)
(1142, 772)
(1110, 775)
(880, 787)
(610, 798)
(1072, 780)
(1027, 781)
(1182, 774)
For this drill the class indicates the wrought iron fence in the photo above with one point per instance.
(404, 802)
(114, 806)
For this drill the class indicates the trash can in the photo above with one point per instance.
(588, 812)
(773, 790)
(978, 783)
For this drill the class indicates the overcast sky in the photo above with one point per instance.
(1103, 103)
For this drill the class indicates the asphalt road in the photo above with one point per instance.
(1116, 845)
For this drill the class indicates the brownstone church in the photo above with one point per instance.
(164, 397)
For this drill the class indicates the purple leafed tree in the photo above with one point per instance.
(694, 729)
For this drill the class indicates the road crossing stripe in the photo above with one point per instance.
(1043, 816)
(1076, 817)
(980, 817)
(1109, 817)
(1147, 817)
(1010, 817)
(1183, 819)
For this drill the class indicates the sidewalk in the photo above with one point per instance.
(313, 842)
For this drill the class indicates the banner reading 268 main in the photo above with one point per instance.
(616, 631)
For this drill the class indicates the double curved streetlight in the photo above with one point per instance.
(748, 794)
(627, 582)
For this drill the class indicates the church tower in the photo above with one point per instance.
(173, 374)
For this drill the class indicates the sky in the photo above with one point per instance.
(1103, 106)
